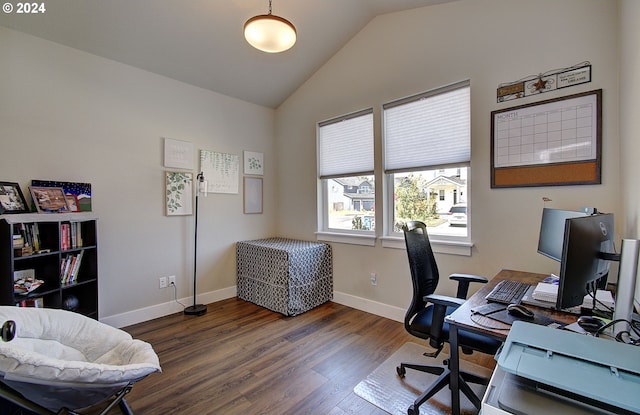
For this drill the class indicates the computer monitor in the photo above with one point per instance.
(552, 231)
(586, 243)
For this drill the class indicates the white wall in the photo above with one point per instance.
(489, 42)
(67, 115)
(71, 116)
(629, 120)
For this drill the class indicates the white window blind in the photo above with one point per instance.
(345, 145)
(429, 129)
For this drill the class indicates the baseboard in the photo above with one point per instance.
(373, 307)
(160, 310)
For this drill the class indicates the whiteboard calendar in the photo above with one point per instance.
(557, 131)
(557, 142)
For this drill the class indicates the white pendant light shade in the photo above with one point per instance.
(270, 33)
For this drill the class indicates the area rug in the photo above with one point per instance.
(386, 390)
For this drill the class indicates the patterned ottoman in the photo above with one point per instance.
(284, 275)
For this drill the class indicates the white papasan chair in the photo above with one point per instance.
(56, 361)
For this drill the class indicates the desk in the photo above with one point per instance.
(462, 319)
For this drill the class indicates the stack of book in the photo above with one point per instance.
(69, 267)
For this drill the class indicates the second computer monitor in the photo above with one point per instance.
(585, 240)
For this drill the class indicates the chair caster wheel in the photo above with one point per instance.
(413, 410)
(445, 362)
(401, 371)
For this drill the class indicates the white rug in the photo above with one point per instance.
(386, 390)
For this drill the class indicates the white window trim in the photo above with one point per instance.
(439, 246)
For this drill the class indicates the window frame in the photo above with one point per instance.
(324, 232)
(441, 243)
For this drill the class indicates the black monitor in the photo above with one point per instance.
(586, 243)
(552, 231)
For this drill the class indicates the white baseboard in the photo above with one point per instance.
(373, 307)
(160, 310)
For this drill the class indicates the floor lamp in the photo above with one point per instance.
(197, 309)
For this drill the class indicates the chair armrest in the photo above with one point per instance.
(463, 283)
(440, 305)
(443, 300)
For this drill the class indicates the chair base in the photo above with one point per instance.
(444, 379)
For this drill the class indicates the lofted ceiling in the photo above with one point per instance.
(200, 42)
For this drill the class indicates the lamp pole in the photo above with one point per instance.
(196, 309)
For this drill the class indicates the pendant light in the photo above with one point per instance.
(270, 33)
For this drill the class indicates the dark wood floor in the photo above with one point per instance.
(243, 359)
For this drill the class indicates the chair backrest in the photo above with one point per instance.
(422, 264)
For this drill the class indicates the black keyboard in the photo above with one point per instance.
(508, 292)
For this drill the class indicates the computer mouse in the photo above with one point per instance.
(518, 310)
(590, 323)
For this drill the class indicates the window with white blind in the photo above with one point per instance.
(346, 174)
(427, 153)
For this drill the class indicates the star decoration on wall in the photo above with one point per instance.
(540, 85)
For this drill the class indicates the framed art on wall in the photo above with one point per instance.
(253, 163)
(179, 193)
(253, 195)
(11, 199)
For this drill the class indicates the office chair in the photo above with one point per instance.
(425, 317)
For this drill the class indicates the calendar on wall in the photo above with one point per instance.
(553, 142)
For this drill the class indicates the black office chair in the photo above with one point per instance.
(425, 316)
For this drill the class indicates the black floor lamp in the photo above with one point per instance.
(196, 309)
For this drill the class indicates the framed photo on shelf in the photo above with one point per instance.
(11, 199)
(253, 195)
(49, 199)
(72, 202)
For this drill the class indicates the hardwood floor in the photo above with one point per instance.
(240, 358)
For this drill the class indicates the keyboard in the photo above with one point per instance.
(508, 292)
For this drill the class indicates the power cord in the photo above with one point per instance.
(175, 295)
(623, 336)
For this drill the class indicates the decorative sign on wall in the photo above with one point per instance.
(545, 82)
(548, 143)
(178, 154)
(221, 171)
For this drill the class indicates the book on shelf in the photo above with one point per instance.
(69, 267)
(65, 241)
(37, 302)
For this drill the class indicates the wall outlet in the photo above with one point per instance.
(163, 282)
(172, 280)
(374, 278)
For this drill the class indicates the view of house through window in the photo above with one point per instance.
(435, 197)
(351, 203)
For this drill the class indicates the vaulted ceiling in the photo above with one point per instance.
(200, 42)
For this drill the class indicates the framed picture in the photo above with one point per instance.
(253, 163)
(72, 202)
(178, 154)
(81, 191)
(49, 199)
(179, 193)
(11, 199)
(253, 195)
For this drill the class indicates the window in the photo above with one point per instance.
(345, 171)
(427, 152)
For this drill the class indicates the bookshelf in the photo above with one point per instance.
(60, 250)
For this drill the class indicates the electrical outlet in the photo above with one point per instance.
(172, 280)
(163, 282)
(374, 279)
